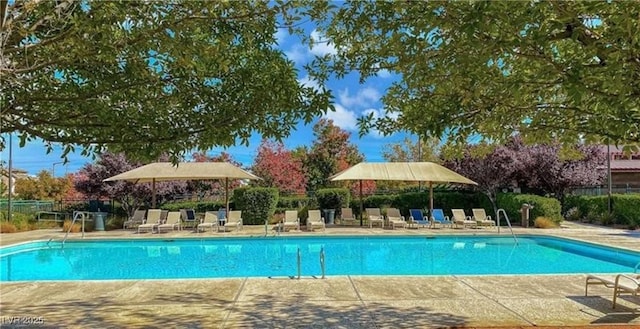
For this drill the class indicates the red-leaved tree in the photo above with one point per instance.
(279, 168)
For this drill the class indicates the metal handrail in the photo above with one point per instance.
(508, 223)
(299, 263)
(322, 264)
(76, 214)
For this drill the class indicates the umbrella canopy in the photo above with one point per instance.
(403, 171)
(167, 171)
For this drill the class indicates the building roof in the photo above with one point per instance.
(625, 165)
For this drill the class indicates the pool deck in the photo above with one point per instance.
(509, 301)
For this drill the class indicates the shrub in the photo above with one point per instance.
(77, 227)
(542, 207)
(333, 198)
(544, 222)
(197, 206)
(257, 203)
(573, 214)
(625, 210)
(7, 227)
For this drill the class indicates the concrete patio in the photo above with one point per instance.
(514, 301)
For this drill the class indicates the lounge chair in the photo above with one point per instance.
(171, 223)
(346, 217)
(290, 220)
(188, 217)
(438, 217)
(621, 284)
(461, 219)
(315, 220)
(151, 222)
(210, 220)
(135, 220)
(234, 220)
(394, 218)
(374, 216)
(481, 217)
(416, 217)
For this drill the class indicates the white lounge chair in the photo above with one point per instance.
(315, 220)
(374, 216)
(290, 220)
(394, 218)
(233, 220)
(135, 220)
(172, 222)
(346, 217)
(210, 220)
(481, 217)
(152, 221)
(621, 284)
(460, 218)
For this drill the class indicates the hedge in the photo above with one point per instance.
(333, 198)
(257, 204)
(542, 207)
(624, 207)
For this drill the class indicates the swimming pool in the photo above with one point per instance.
(278, 257)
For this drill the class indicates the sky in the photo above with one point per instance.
(351, 100)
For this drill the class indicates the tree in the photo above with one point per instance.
(541, 68)
(279, 168)
(42, 187)
(548, 170)
(130, 195)
(150, 78)
(330, 148)
(493, 168)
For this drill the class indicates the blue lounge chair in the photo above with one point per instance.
(438, 217)
(416, 217)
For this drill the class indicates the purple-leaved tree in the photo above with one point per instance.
(130, 195)
(492, 171)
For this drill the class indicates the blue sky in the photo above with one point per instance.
(351, 100)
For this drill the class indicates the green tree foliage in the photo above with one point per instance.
(550, 70)
(42, 187)
(330, 153)
(151, 77)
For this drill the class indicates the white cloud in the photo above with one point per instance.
(308, 82)
(281, 35)
(321, 45)
(298, 54)
(384, 73)
(343, 118)
(365, 97)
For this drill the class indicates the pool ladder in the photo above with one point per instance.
(508, 223)
(322, 264)
(76, 215)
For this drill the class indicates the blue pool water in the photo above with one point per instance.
(277, 257)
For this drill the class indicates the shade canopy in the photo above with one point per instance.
(167, 171)
(402, 171)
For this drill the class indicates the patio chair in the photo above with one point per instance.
(416, 217)
(374, 216)
(290, 220)
(621, 284)
(171, 223)
(188, 217)
(346, 217)
(315, 219)
(210, 220)
(481, 217)
(135, 220)
(438, 217)
(151, 222)
(459, 218)
(234, 220)
(394, 218)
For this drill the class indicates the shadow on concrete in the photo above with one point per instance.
(194, 310)
(622, 314)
